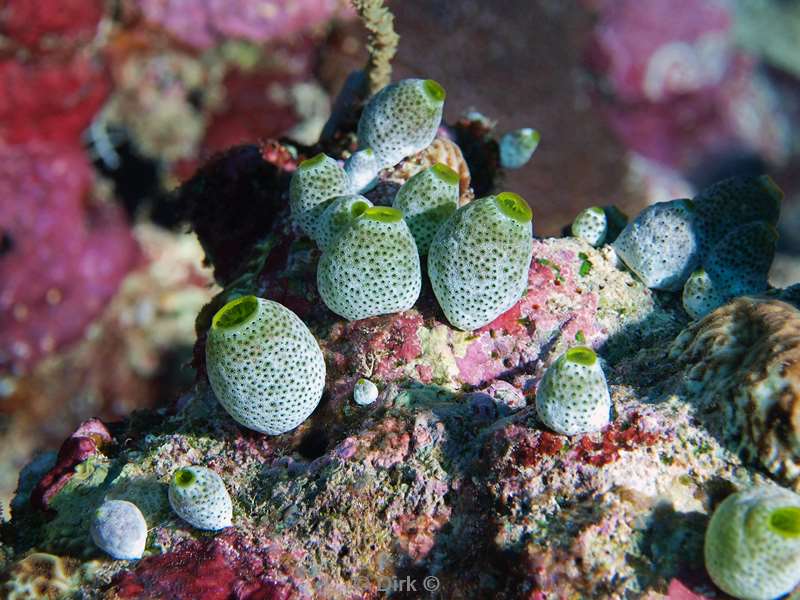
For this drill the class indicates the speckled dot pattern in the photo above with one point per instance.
(739, 264)
(313, 184)
(372, 268)
(591, 226)
(745, 555)
(427, 200)
(700, 296)
(400, 120)
(661, 245)
(336, 217)
(517, 147)
(732, 202)
(268, 372)
(573, 397)
(119, 529)
(362, 170)
(199, 496)
(478, 263)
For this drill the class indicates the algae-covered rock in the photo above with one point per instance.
(405, 450)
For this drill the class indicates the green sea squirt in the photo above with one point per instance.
(315, 182)
(752, 544)
(199, 497)
(401, 119)
(264, 365)
(479, 259)
(372, 267)
(573, 395)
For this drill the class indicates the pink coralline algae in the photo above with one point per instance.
(417, 533)
(85, 442)
(386, 343)
(553, 277)
(674, 87)
(653, 51)
(202, 24)
(64, 253)
(50, 99)
(34, 23)
(221, 568)
(387, 445)
(620, 435)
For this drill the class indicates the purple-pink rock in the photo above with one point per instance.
(676, 89)
(203, 23)
(64, 252)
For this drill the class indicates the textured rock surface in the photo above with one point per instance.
(448, 473)
(429, 480)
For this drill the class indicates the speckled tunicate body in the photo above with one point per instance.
(337, 216)
(199, 496)
(479, 259)
(372, 268)
(119, 529)
(517, 147)
(739, 263)
(313, 184)
(362, 170)
(752, 544)
(661, 245)
(427, 200)
(591, 226)
(700, 296)
(733, 202)
(573, 395)
(401, 119)
(264, 366)
(365, 392)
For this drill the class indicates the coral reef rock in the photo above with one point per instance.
(447, 481)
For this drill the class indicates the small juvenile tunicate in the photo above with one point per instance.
(573, 396)
(517, 147)
(591, 226)
(199, 496)
(119, 529)
(365, 392)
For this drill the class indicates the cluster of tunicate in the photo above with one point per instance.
(478, 254)
(715, 247)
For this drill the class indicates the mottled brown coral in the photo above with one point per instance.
(441, 150)
(744, 361)
(43, 576)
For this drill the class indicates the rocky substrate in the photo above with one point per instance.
(449, 474)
